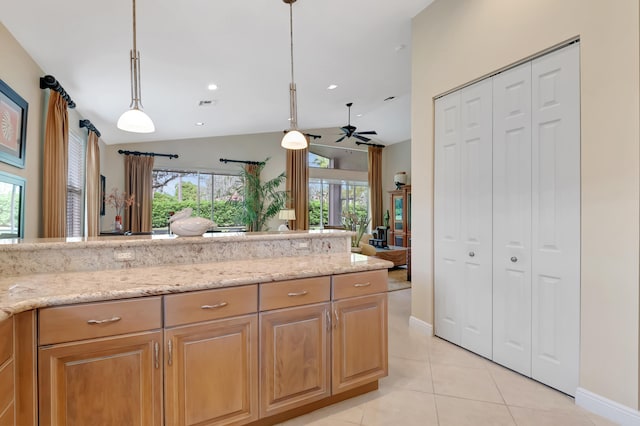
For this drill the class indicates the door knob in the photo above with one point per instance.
(471, 254)
(514, 259)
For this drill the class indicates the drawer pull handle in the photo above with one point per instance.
(114, 319)
(216, 306)
(300, 293)
(367, 284)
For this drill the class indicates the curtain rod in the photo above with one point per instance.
(254, 163)
(89, 126)
(151, 154)
(370, 144)
(49, 82)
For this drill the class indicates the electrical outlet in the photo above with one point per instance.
(303, 245)
(123, 255)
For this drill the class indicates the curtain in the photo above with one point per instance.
(298, 186)
(92, 185)
(375, 186)
(54, 168)
(251, 170)
(138, 182)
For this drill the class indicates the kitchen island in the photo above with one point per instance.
(235, 329)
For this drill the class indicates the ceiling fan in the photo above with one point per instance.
(350, 130)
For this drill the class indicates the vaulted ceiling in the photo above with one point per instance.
(362, 46)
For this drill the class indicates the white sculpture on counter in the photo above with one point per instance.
(183, 225)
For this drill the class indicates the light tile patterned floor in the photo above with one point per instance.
(432, 382)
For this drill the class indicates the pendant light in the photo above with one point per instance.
(293, 139)
(135, 120)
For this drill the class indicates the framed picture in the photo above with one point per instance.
(103, 181)
(11, 206)
(13, 126)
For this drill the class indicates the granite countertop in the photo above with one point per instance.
(22, 293)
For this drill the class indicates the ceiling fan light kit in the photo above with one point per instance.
(293, 139)
(135, 120)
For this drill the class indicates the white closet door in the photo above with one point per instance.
(475, 218)
(556, 219)
(512, 219)
(447, 218)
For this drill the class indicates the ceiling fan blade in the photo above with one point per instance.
(368, 132)
(309, 135)
(341, 139)
(362, 138)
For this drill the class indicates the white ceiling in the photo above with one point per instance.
(363, 46)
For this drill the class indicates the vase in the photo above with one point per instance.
(356, 249)
(118, 223)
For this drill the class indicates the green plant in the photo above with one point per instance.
(357, 223)
(262, 200)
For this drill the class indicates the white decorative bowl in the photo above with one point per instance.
(191, 226)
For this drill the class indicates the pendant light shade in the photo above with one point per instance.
(293, 139)
(135, 120)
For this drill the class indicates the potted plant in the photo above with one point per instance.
(262, 199)
(358, 224)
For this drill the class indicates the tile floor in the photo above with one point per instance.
(432, 382)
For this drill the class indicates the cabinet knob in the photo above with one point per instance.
(514, 259)
(471, 254)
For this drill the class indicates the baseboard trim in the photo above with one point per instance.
(423, 326)
(607, 408)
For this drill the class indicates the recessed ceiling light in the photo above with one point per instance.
(199, 123)
(212, 86)
(390, 98)
(358, 115)
(332, 86)
(400, 47)
(207, 102)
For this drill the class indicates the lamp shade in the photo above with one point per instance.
(400, 178)
(294, 139)
(287, 214)
(136, 121)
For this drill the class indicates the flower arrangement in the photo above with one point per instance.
(119, 200)
(357, 224)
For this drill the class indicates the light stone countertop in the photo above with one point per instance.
(22, 293)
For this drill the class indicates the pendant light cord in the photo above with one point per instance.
(291, 33)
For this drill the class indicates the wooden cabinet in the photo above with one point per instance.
(294, 345)
(216, 357)
(211, 367)
(359, 335)
(108, 381)
(7, 384)
(114, 379)
(400, 220)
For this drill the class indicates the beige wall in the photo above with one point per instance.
(22, 74)
(456, 41)
(200, 155)
(395, 158)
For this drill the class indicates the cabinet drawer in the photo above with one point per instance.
(6, 340)
(284, 294)
(359, 284)
(91, 320)
(210, 304)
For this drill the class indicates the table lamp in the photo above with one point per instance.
(286, 215)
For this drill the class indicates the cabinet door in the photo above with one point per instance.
(294, 357)
(359, 341)
(211, 372)
(512, 219)
(397, 219)
(112, 381)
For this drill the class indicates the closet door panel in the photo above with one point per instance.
(556, 219)
(447, 271)
(475, 218)
(512, 219)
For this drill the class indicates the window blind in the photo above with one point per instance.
(75, 187)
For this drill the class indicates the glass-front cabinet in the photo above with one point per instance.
(400, 218)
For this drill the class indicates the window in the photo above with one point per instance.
(210, 195)
(318, 161)
(75, 187)
(329, 200)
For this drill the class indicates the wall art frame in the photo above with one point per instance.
(13, 126)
